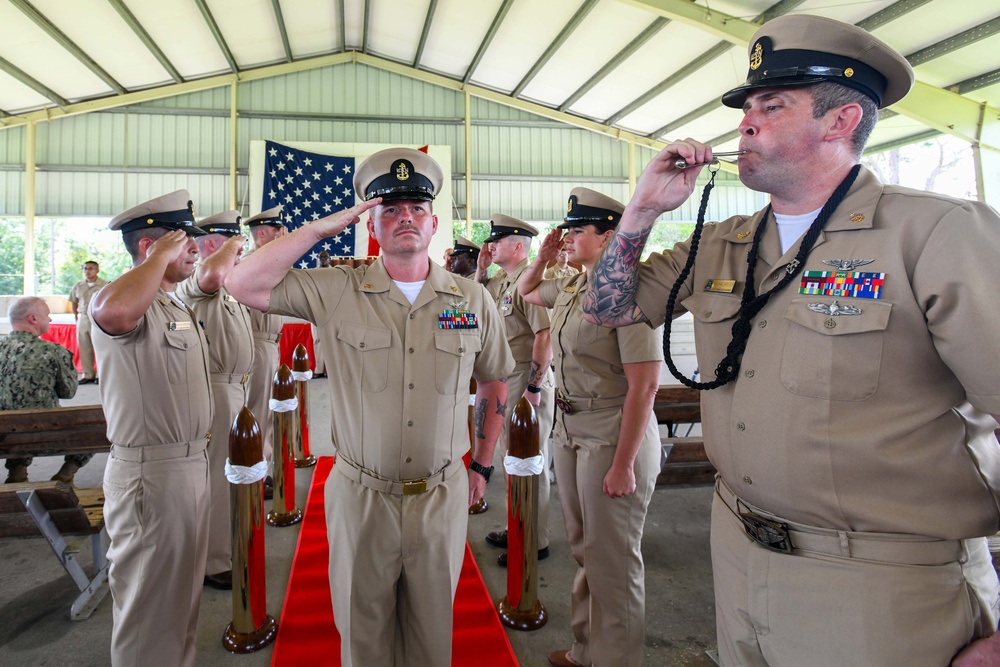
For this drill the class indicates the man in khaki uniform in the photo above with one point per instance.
(561, 269)
(230, 357)
(80, 296)
(402, 338)
(464, 257)
(527, 328)
(850, 417)
(264, 228)
(158, 403)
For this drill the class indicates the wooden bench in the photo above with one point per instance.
(55, 510)
(683, 460)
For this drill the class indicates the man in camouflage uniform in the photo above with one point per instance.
(35, 373)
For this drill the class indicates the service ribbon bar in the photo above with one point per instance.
(458, 319)
(842, 283)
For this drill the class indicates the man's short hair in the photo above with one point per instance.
(21, 308)
(132, 239)
(828, 95)
(90, 261)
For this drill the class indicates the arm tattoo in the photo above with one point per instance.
(611, 296)
(480, 416)
(501, 408)
(537, 373)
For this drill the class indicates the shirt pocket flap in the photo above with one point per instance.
(459, 345)
(364, 338)
(874, 316)
(712, 307)
(180, 340)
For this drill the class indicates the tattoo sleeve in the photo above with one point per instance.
(479, 418)
(611, 297)
(501, 408)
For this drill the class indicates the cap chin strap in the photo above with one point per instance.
(751, 303)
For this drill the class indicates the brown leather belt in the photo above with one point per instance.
(777, 534)
(408, 487)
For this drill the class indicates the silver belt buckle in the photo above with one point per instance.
(772, 535)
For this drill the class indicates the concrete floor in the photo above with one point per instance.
(35, 592)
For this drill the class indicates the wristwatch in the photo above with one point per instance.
(534, 389)
(481, 469)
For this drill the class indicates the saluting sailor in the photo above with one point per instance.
(401, 339)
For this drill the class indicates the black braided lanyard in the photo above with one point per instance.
(751, 303)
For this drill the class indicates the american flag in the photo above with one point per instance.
(309, 186)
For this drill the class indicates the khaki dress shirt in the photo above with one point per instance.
(877, 419)
(399, 374)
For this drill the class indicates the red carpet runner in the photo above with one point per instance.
(307, 635)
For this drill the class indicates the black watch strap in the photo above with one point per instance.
(481, 469)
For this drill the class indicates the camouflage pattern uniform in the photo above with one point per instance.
(35, 373)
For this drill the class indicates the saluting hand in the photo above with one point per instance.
(335, 223)
(663, 187)
(551, 245)
(170, 246)
(485, 257)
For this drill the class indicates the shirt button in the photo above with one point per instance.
(749, 373)
(762, 324)
(410, 385)
(830, 324)
(741, 426)
(412, 315)
(776, 276)
(409, 423)
(361, 345)
(410, 350)
(747, 480)
(461, 350)
(409, 459)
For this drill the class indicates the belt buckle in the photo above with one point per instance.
(414, 487)
(563, 405)
(772, 535)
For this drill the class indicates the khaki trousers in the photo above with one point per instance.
(608, 601)
(86, 346)
(229, 397)
(394, 566)
(156, 513)
(266, 359)
(516, 383)
(805, 608)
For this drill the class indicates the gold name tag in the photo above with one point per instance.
(178, 326)
(724, 286)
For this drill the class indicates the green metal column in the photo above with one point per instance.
(233, 199)
(468, 165)
(987, 157)
(29, 209)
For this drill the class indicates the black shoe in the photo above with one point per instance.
(543, 553)
(223, 580)
(88, 381)
(268, 488)
(497, 538)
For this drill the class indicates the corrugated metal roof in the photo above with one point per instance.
(654, 68)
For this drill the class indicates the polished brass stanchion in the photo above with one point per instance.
(286, 425)
(480, 505)
(301, 373)
(521, 608)
(252, 628)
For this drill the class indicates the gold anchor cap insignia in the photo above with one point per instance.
(757, 57)
(402, 172)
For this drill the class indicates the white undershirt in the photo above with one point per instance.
(173, 295)
(792, 227)
(410, 290)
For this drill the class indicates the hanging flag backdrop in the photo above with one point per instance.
(309, 186)
(311, 180)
